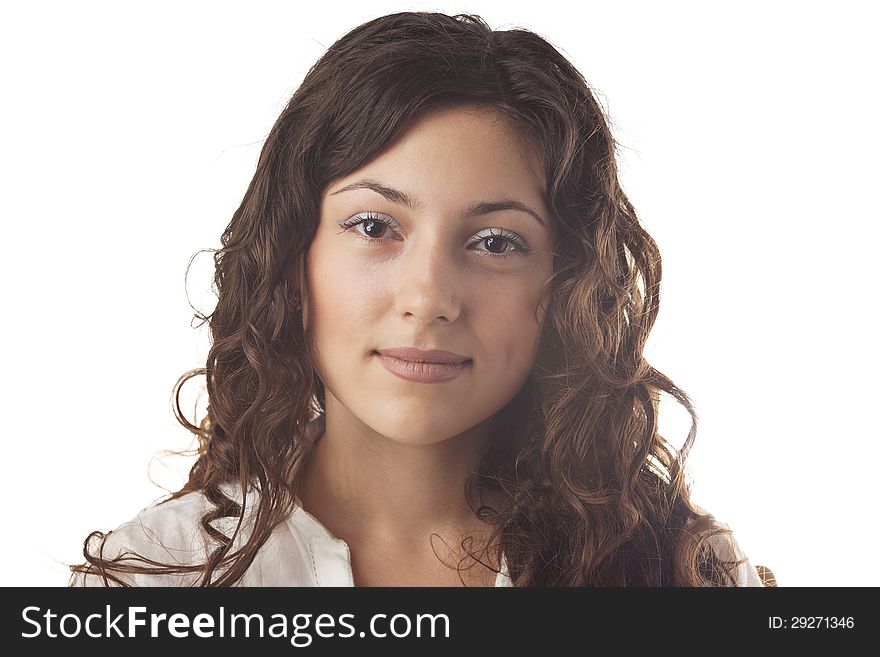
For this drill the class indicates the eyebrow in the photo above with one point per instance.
(476, 209)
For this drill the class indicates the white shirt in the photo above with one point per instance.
(300, 551)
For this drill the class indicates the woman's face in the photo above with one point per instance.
(433, 265)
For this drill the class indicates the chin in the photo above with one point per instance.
(413, 429)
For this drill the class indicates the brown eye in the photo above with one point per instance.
(499, 244)
(495, 244)
(373, 228)
(370, 227)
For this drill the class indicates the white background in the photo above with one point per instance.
(130, 132)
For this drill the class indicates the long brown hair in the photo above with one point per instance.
(595, 496)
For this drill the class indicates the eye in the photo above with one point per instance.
(373, 225)
(499, 243)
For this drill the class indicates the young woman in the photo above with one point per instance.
(427, 352)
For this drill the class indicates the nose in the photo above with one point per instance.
(428, 287)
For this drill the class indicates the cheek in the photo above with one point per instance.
(328, 295)
(509, 328)
(342, 298)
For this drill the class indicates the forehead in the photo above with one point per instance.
(456, 155)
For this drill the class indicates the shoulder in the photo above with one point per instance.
(167, 531)
(726, 546)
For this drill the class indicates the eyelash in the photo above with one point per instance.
(512, 238)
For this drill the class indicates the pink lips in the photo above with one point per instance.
(423, 366)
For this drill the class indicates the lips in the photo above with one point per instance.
(414, 355)
(412, 364)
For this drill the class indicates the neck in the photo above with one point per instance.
(369, 489)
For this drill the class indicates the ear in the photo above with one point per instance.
(547, 358)
(298, 283)
(302, 291)
(539, 365)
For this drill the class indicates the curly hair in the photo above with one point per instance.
(595, 495)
